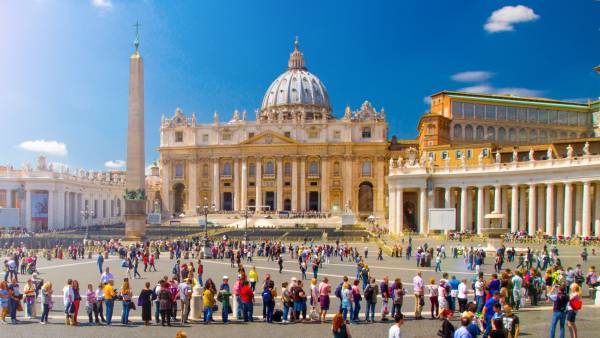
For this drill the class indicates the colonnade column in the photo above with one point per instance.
(522, 209)
(279, 183)
(67, 211)
(480, 211)
(258, 183)
(568, 209)
(193, 188)
(399, 210)
(463, 209)
(324, 185)
(295, 184)
(550, 209)
(514, 209)
(244, 185)
(541, 208)
(423, 211)
(448, 197)
(50, 209)
(9, 198)
(587, 212)
(597, 210)
(392, 211)
(578, 209)
(379, 206)
(504, 193)
(236, 184)
(486, 207)
(216, 182)
(348, 180)
(303, 183)
(560, 211)
(531, 222)
(28, 208)
(498, 199)
(166, 188)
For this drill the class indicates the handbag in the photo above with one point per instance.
(131, 306)
(140, 301)
(215, 307)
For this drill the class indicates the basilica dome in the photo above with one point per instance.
(296, 88)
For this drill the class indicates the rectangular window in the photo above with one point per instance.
(431, 156)
(552, 116)
(458, 154)
(511, 113)
(479, 111)
(179, 170)
(312, 134)
(227, 136)
(469, 153)
(532, 115)
(337, 135)
(287, 134)
(563, 117)
(95, 209)
(366, 132)
(573, 118)
(444, 155)
(490, 112)
(543, 116)
(501, 115)
(468, 110)
(486, 152)
(522, 114)
(457, 109)
(250, 135)
(205, 138)
(103, 208)
(178, 136)
(583, 119)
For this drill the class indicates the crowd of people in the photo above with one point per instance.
(485, 306)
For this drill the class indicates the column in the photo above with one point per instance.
(560, 211)
(68, 209)
(541, 210)
(279, 197)
(399, 210)
(324, 184)
(504, 208)
(303, 184)
(27, 220)
(193, 187)
(470, 211)
(578, 210)
(236, 184)
(50, 210)
(480, 211)
(463, 208)
(587, 212)
(258, 182)
(486, 206)
(514, 209)
(597, 209)
(448, 198)
(523, 209)
(550, 226)
(244, 185)
(9, 198)
(392, 211)
(348, 179)
(497, 199)
(295, 184)
(531, 222)
(216, 198)
(568, 209)
(423, 226)
(166, 189)
(380, 186)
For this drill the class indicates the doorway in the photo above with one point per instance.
(270, 200)
(227, 201)
(313, 201)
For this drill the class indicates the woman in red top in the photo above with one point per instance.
(247, 297)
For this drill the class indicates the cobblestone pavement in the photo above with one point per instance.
(535, 321)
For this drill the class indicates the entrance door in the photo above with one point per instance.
(227, 201)
(313, 201)
(365, 199)
(270, 199)
(179, 198)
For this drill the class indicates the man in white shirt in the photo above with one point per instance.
(479, 293)
(68, 298)
(394, 331)
(106, 276)
(419, 292)
(462, 295)
(184, 296)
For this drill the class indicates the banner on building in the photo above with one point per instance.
(39, 206)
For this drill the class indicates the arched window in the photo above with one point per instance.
(227, 168)
(533, 136)
(480, 134)
(553, 135)
(313, 168)
(251, 169)
(287, 169)
(543, 136)
(469, 132)
(458, 131)
(501, 134)
(269, 168)
(366, 168)
(512, 135)
(491, 134)
(573, 135)
(522, 135)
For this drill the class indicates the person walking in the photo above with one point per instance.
(145, 301)
(573, 307)
(46, 300)
(419, 292)
(126, 297)
(559, 309)
(100, 261)
(394, 331)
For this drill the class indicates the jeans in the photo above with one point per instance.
(355, 311)
(207, 313)
(270, 308)
(286, 311)
(479, 300)
(45, 311)
(125, 312)
(345, 313)
(556, 317)
(157, 311)
(248, 309)
(199, 279)
(12, 309)
(370, 309)
(225, 312)
(29, 309)
(438, 267)
(315, 273)
(100, 267)
(240, 308)
(110, 303)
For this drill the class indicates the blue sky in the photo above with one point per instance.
(64, 63)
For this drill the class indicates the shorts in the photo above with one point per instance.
(571, 316)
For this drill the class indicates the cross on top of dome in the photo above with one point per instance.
(296, 58)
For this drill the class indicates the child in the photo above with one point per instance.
(447, 330)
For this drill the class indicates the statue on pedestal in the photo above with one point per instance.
(569, 152)
(586, 149)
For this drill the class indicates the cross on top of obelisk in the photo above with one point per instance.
(136, 42)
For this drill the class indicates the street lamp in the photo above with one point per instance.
(87, 214)
(246, 226)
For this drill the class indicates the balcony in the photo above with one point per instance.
(313, 176)
(269, 176)
(226, 177)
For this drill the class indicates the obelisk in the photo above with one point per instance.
(135, 196)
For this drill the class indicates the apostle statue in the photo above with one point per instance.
(549, 153)
(569, 152)
(498, 156)
(216, 118)
(586, 149)
(515, 155)
(531, 153)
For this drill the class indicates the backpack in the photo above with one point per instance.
(368, 292)
(338, 291)
(576, 304)
(267, 296)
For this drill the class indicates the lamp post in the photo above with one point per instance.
(205, 210)
(86, 213)
(246, 226)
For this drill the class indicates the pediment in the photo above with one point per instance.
(269, 137)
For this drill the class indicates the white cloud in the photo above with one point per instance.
(102, 4)
(115, 164)
(472, 76)
(505, 18)
(489, 89)
(427, 100)
(46, 147)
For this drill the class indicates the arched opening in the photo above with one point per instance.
(251, 202)
(458, 131)
(409, 217)
(365, 199)
(287, 204)
(479, 133)
(179, 195)
(156, 204)
(468, 132)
